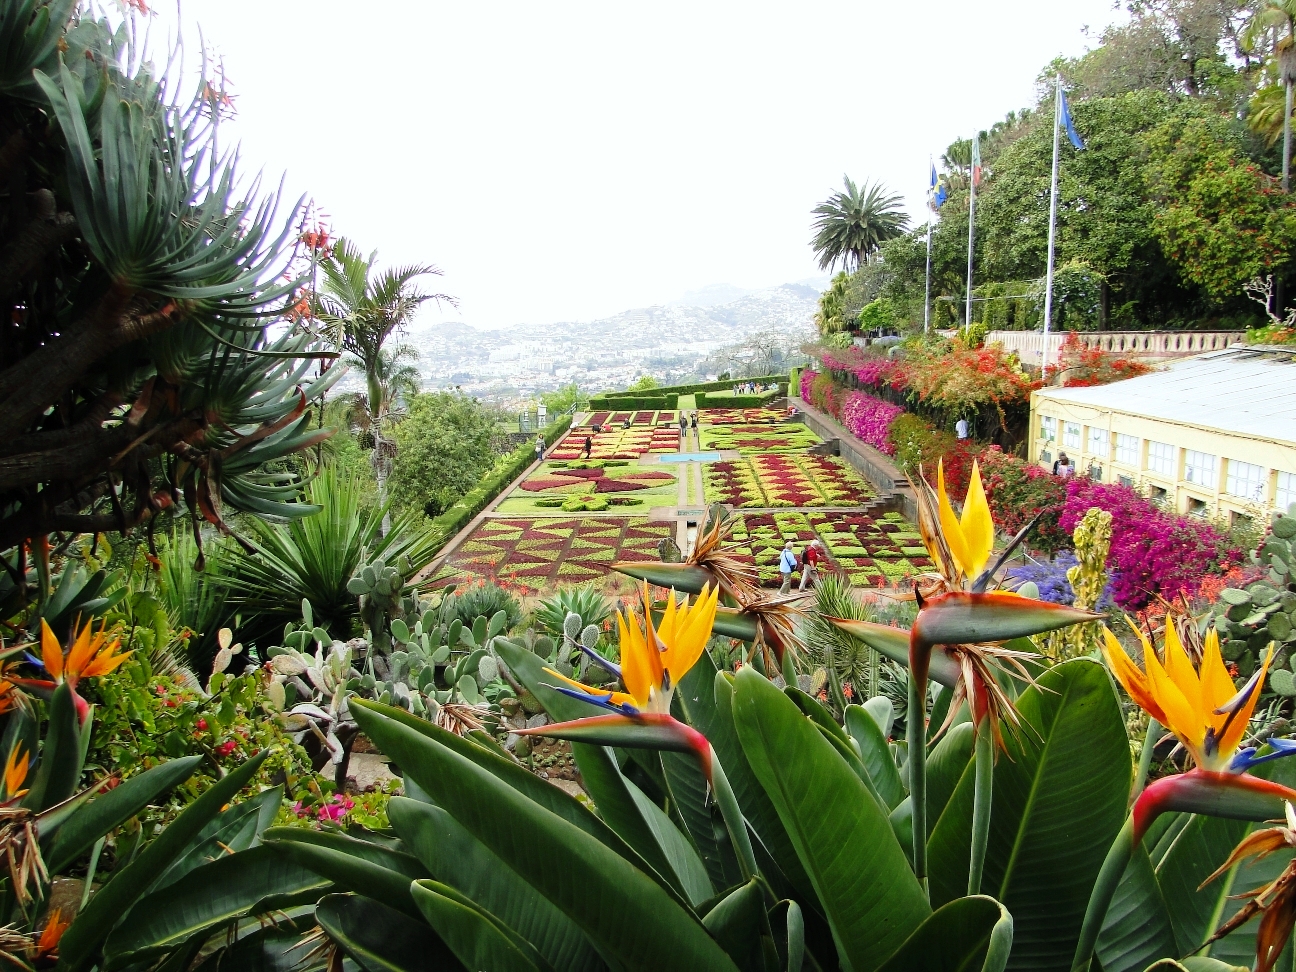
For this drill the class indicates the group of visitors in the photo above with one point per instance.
(1063, 466)
(751, 388)
(808, 563)
(685, 421)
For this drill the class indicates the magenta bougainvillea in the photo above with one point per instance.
(1153, 553)
(869, 420)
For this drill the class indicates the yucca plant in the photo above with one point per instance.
(314, 558)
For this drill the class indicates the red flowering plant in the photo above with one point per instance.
(1018, 491)
(1082, 366)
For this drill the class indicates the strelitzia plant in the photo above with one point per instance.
(1209, 716)
(959, 639)
(654, 659)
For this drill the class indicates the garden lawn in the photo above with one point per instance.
(785, 479)
(619, 482)
(619, 443)
(535, 555)
(747, 438)
(871, 551)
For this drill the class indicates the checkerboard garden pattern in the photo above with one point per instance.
(873, 551)
(618, 442)
(785, 479)
(533, 555)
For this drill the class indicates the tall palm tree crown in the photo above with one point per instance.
(854, 222)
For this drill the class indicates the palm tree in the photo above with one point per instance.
(1277, 18)
(362, 311)
(397, 383)
(852, 224)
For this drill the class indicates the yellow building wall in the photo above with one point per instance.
(1273, 456)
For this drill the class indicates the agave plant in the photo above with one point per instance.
(584, 600)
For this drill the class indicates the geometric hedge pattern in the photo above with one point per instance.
(545, 552)
(785, 479)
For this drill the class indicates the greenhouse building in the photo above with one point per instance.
(1213, 434)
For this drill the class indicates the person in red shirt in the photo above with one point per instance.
(810, 560)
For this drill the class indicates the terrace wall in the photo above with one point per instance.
(888, 478)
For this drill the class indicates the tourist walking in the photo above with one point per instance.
(1061, 461)
(810, 563)
(539, 447)
(589, 446)
(683, 424)
(693, 421)
(787, 564)
(961, 429)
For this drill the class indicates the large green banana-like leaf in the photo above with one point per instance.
(81, 941)
(477, 938)
(236, 828)
(946, 764)
(206, 898)
(690, 793)
(354, 873)
(114, 808)
(876, 755)
(508, 771)
(382, 939)
(61, 756)
(962, 935)
(642, 824)
(737, 922)
(757, 807)
(870, 896)
(456, 858)
(1060, 795)
(407, 865)
(1137, 930)
(623, 911)
(275, 948)
(1195, 963)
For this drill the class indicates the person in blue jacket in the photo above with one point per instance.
(787, 564)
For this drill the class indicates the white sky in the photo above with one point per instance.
(565, 161)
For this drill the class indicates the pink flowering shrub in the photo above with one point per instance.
(869, 420)
(1152, 552)
(807, 382)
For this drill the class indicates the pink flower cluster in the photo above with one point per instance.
(332, 810)
(869, 419)
(807, 379)
(1152, 552)
(873, 371)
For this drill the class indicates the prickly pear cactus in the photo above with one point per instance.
(380, 587)
(1249, 618)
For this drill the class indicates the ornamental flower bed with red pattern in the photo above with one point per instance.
(618, 443)
(872, 551)
(617, 479)
(743, 416)
(534, 555)
(785, 479)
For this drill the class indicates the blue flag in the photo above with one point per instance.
(935, 190)
(1066, 123)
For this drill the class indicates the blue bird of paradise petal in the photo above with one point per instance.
(1244, 759)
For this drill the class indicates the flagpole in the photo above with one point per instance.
(976, 151)
(927, 294)
(1053, 193)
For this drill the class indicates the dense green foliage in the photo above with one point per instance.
(443, 446)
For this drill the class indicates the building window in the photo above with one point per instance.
(1127, 449)
(1197, 507)
(1071, 435)
(1286, 494)
(1095, 473)
(1099, 443)
(1157, 494)
(1200, 469)
(1126, 481)
(1048, 428)
(1245, 480)
(1160, 458)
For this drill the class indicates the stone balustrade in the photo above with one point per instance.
(1029, 345)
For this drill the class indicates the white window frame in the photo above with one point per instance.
(1285, 494)
(1071, 435)
(1048, 428)
(1201, 469)
(1162, 465)
(1099, 443)
(1249, 485)
(1127, 449)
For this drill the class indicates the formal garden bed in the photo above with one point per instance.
(532, 555)
(783, 479)
(572, 485)
(757, 437)
(616, 442)
(744, 416)
(873, 551)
